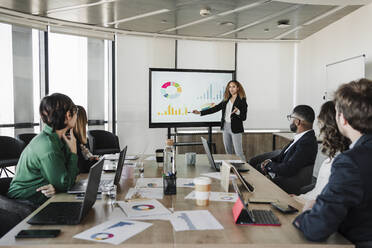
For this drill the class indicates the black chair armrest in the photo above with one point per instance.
(307, 188)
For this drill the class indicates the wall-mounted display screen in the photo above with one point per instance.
(175, 93)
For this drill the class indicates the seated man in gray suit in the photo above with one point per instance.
(300, 153)
(346, 201)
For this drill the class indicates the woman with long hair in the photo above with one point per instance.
(85, 158)
(333, 143)
(234, 112)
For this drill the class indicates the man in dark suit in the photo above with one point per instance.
(345, 204)
(300, 153)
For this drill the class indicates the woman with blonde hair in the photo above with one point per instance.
(85, 158)
(234, 112)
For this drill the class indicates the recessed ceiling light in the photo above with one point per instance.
(205, 11)
(226, 23)
(283, 23)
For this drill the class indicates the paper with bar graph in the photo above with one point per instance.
(175, 94)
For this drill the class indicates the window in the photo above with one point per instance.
(6, 72)
(68, 67)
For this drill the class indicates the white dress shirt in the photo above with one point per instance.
(296, 138)
(321, 181)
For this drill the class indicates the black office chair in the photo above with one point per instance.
(11, 211)
(103, 142)
(10, 151)
(26, 137)
(294, 184)
(256, 161)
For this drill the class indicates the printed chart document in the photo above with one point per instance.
(140, 193)
(217, 196)
(158, 182)
(216, 175)
(143, 208)
(229, 161)
(113, 231)
(194, 220)
(185, 182)
(151, 158)
(145, 182)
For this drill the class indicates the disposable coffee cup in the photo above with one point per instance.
(202, 190)
(159, 154)
(190, 158)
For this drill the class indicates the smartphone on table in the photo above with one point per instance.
(38, 233)
(284, 208)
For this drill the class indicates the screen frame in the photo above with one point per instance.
(182, 124)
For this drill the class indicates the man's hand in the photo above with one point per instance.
(308, 205)
(47, 190)
(263, 165)
(70, 141)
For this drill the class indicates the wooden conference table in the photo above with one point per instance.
(162, 234)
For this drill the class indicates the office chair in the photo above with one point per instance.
(26, 137)
(294, 184)
(103, 142)
(11, 211)
(10, 151)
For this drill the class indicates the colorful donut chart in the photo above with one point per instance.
(143, 207)
(164, 92)
(102, 236)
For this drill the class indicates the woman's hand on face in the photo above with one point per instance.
(47, 190)
(70, 141)
(196, 112)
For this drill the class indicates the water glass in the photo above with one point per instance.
(140, 168)
(109, 194)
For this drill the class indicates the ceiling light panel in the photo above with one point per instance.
(297, 17)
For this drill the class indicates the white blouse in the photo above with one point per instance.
(321, 181)
(229, 106)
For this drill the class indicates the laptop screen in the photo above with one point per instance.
(244, 195)
(208, 152)
(119, 168)
(90, 195)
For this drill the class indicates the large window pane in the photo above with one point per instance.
(68, 66)
(6, 72)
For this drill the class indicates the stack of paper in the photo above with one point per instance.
(194, 220)
(217, 196)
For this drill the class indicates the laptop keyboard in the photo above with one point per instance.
(58, 213)
(265, 217)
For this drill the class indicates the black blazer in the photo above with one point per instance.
(345, 204)
(300, 155)
(236, 120)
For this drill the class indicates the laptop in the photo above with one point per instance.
(80, 186)
(71, 213)
(242, 167)
(255, 216)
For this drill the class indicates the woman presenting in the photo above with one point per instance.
(234, 112)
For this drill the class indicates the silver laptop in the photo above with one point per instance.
(81, 185)
(242, 167)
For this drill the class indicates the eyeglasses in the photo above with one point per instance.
(290, 117)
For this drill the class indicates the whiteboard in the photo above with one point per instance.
(174, 94)
(342, 72)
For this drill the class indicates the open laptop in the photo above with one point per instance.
(242, 167)
(71, 213)
(255, 216)
(80, 186)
